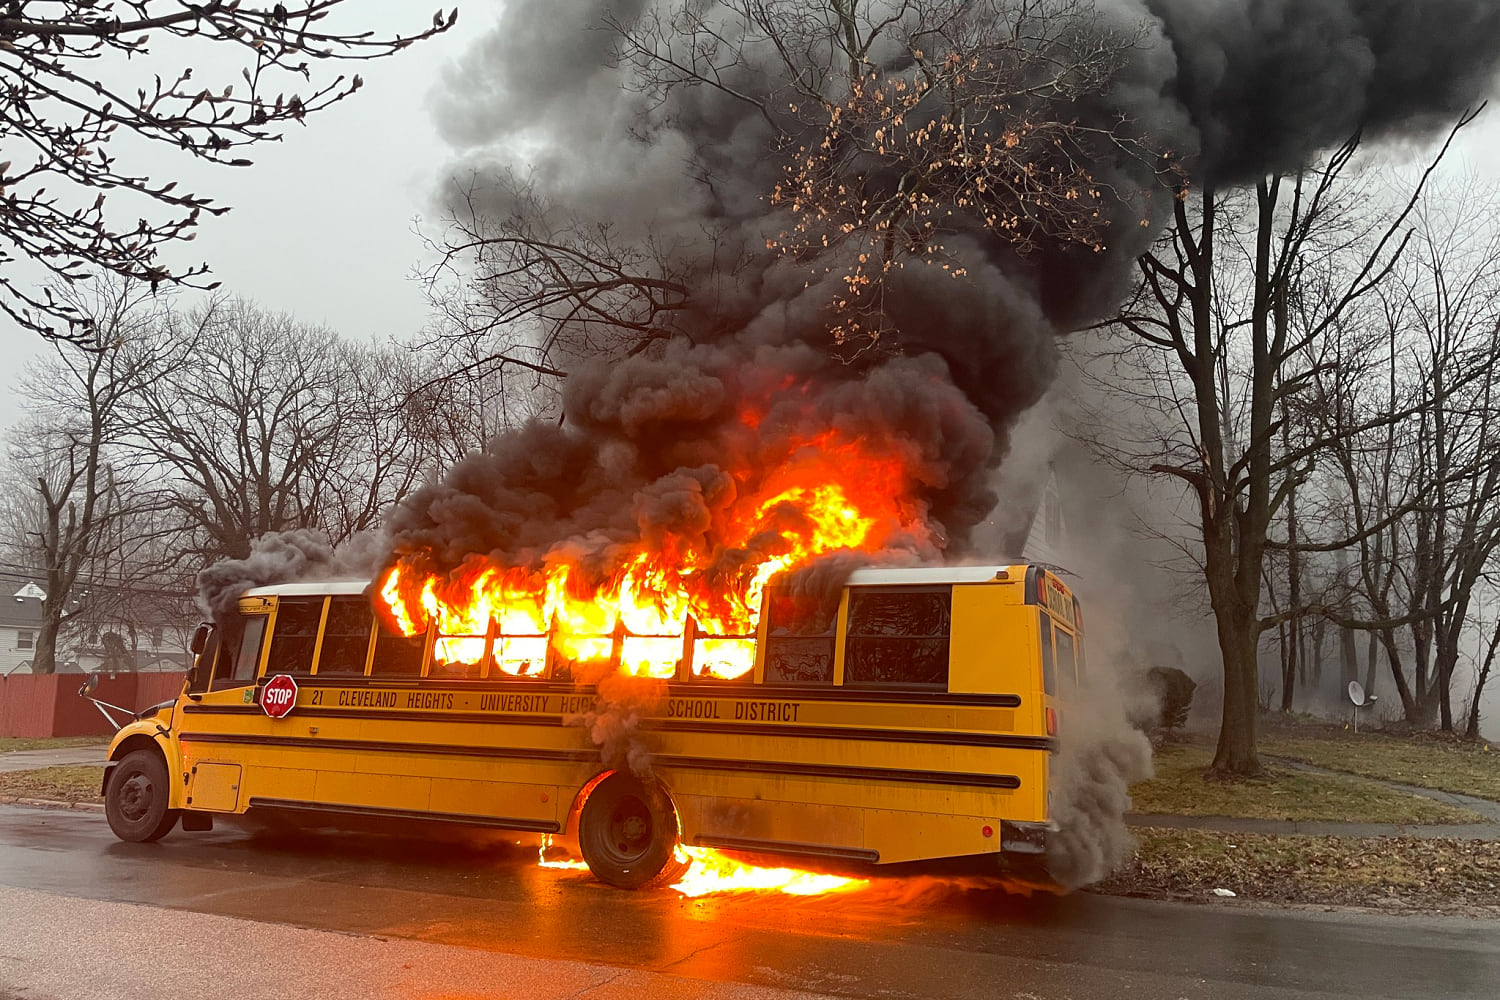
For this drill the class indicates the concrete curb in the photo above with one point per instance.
(19, 800)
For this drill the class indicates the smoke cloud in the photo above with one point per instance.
(655, 448)
(1100, 756)
(613, 725)
(1267, 83)
(282, 557)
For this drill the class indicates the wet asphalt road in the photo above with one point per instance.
(485, 907)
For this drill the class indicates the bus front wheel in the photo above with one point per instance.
(136, 802)
(627, 832)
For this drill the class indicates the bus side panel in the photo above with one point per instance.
(729, 818)
(374, 790)
(991, 649)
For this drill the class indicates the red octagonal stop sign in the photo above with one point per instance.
(278, 696)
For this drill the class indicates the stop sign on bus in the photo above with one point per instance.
(278, 696)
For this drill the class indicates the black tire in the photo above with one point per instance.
(137, 798)
(627, 832)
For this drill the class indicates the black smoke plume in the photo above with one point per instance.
(622, 703)
(282, 557)
(1265, 84)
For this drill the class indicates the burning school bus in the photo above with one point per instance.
(910, 716)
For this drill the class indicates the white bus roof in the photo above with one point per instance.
(909, 576)
(309, 589)
(935, 574)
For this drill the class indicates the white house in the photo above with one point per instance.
(20, 620)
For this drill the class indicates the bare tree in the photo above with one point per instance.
(1422, 561)
(77, 77)
(78, 518)
(269, 425)
(1225, 319)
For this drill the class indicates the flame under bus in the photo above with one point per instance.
(910, 718)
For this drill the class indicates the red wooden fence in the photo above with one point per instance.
(48, 704)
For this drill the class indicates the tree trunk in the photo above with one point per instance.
(1410, 705)
(1239, 643)
(1447, 660)
(44, 656)
(1289, 666)
(1295, 663)
(1471, 728)
(1235, 753)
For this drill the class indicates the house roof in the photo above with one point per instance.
(20, 612)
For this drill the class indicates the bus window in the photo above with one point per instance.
(457, 655)
(1065, 661)
(723, 657)
(800, 638)
(239, 670)
(651, 655)
(397, 655)
(519, 656)
(1049, 672)
(346, 636)
(295, 636)
(898, 636)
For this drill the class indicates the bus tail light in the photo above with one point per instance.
(1051, 722)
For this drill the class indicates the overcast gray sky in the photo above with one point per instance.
(322, 223)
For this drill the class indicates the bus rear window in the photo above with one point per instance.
(800, 638)
(1065, 661)
(1049, 671)
(898, 636)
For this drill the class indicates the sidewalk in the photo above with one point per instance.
(30, 760)
(1230, 824)
(1484, 807)
(1312, 828)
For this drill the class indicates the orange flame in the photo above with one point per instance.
(712, 872)
(565, 864)
(671, 598)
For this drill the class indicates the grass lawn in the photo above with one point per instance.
(1466, 768)
(9, 743)
(1297, 869)
(71, 784)
(1179, 789)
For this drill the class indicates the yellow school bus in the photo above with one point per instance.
(910, 717)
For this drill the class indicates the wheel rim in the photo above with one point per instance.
(630, 831)
(136, 796)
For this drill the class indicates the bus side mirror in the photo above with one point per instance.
(89, 686)
(200, 638)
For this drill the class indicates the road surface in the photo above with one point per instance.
(334, 915)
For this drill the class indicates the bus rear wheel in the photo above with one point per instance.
(627, 832)
(136, 802)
